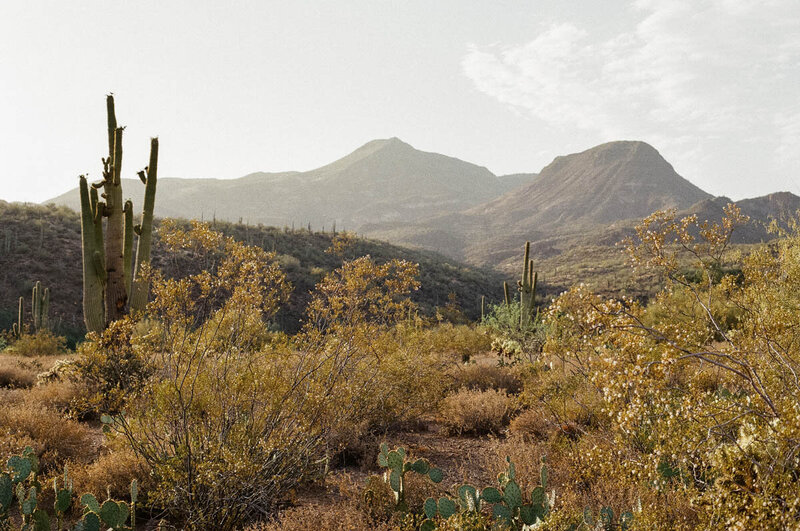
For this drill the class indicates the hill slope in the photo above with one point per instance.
(383, 180)
(43, 243)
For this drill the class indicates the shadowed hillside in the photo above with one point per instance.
(43, 243)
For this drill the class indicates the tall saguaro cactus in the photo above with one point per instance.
(527, 288)
(109, 281)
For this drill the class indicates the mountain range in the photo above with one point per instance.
(389, 190)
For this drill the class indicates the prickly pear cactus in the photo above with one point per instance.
(397, 465)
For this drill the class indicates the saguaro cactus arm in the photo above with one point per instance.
(141, 287)
(93, 284)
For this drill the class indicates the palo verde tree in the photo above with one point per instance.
(112, 284)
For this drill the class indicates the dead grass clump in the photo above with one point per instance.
(56, 395)
(482, 377)
(476, 412)
(54, 438)
(15, 375)
(532, 425)
(356, 507)
(112, 472)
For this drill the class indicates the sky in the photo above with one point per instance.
(232, 88)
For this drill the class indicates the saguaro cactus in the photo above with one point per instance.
(40, 307)
(109, 280)
(527, 288)
(16, 329)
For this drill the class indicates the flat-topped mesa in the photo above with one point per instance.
(111, 287)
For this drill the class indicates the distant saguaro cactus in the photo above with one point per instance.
(527, 288)
(111, 287)
(40, 307)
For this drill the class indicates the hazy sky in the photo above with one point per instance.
(234, 87)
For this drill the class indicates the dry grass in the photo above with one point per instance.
(484, 376)
(346, 510)
(54, 438)
(20, 372)
(532, 425)
(476, 412)
(111, 472)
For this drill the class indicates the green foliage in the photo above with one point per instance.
(20, 481)
(509, 507)
(397, 464)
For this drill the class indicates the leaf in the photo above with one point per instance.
(436, 475)
(430, 508)
(543, 476)
(6, 492)
(383, 460)
(29, 504)
(468, 497)
(21, 466)
(527, 515)
(41, 520)
(395, 461)
(447, 507)
(90, 522)
(588, 517)
(421, 466)
(625, 520)
(491, 495)
(384, 448)
(607, 517)
(501, 511)
(90, 503)
(427, 525)
(538, 496)
(512, 495)
(394, 480)
(63, 501)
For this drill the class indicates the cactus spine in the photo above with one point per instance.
(109, 279)
(527, 288)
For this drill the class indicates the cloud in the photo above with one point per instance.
(694, 74)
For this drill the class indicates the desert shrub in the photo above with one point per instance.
(41, 343)
(232, 419)
(698, 389)
(513, 342)
(461, 341)
(476, 412)
(110, 367)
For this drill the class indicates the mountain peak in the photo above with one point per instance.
(606, 183)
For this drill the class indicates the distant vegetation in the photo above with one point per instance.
(32, 233)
